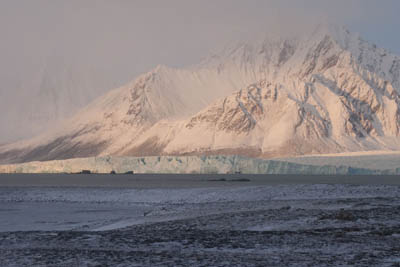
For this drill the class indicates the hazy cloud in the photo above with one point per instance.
(117, 40)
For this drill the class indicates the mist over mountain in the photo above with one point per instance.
(57, 56)
(55, 92)
(325, 91)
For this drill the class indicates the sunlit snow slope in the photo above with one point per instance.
(325, 92)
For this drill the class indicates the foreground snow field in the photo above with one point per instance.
(212, 223)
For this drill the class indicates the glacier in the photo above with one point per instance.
(214, 164)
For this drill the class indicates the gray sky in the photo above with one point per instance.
(116, 40)
(129, 37)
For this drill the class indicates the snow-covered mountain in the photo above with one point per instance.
(324, 92)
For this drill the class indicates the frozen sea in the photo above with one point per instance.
(199, 220)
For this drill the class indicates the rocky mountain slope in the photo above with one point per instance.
(324, 92)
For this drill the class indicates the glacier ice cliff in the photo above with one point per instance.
(186, 165)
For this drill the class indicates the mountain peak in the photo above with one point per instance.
(326, 91)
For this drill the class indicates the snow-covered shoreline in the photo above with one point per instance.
(270, 225)
(57, 208)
